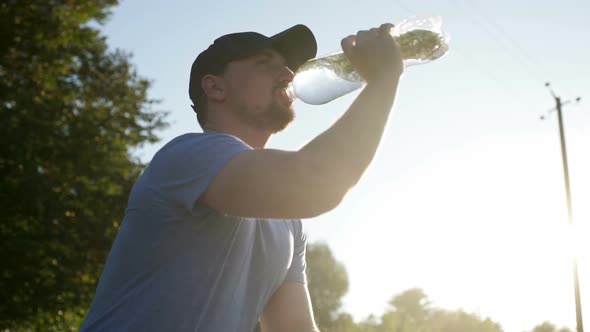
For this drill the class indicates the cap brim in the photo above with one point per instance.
(296, 44)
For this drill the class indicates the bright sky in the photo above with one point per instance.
(466, 197)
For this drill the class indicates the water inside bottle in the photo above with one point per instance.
(318, 80)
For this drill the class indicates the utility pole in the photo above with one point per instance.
(558, 105)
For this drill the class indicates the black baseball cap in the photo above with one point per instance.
(296, 44)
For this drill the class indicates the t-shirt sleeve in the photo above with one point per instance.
(180, 173)
(296, 272)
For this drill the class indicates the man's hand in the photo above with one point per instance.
(374, 53)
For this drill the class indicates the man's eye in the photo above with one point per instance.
(263, 61)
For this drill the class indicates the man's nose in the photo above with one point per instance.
(287, 74)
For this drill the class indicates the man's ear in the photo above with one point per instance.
(213, 86)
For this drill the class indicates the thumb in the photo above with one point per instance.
(349, 48)
(347, 45)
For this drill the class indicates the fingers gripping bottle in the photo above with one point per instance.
(324, 79)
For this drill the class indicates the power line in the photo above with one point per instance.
(500, 36)
(485, 71)
(471, 60)
(468, 59)
(523, 55)
(402, 6)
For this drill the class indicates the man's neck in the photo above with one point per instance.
(253, 137)
(226, 121)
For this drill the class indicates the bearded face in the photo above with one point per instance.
(257, 91)
(274, 118)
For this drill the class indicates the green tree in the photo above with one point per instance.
(343, 323)
(549, 327)
(460, 321)
(328, 283)
(71, 112)
(565, 329)
(411, 311)
(370, 324)
(413, 304)
(395, 321)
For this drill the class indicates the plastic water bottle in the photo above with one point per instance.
(324, 79)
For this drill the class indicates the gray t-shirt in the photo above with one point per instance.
(176, 265)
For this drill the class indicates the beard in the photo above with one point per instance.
(274, 118)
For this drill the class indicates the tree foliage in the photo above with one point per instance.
(549, 327)
(411, 311)
(413, 305)
(71, 111)
(328, 283)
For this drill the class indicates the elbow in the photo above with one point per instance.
(322, 205)
(320, 187)
(325, 193)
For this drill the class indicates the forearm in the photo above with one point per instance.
(343, 152)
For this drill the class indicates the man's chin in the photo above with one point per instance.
(283, 119)
(276, 119)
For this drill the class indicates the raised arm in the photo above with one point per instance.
(313, 180)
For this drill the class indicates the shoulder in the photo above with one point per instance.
(195, 153)
(200, 145)
(202, 141)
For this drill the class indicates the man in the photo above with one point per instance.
(212, 238)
